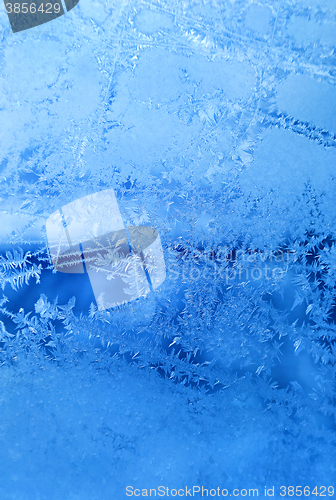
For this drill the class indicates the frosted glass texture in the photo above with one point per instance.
(168, 250)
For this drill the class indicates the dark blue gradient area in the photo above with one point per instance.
(70, 4)
(25, 15)
(212, 128)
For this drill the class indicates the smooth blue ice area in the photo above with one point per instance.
(213, 122)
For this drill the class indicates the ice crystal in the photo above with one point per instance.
(214, 123)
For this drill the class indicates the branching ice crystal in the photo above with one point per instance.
(213, 125)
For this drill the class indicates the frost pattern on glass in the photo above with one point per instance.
(213, 123)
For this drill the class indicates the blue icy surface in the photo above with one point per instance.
(214, 122)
